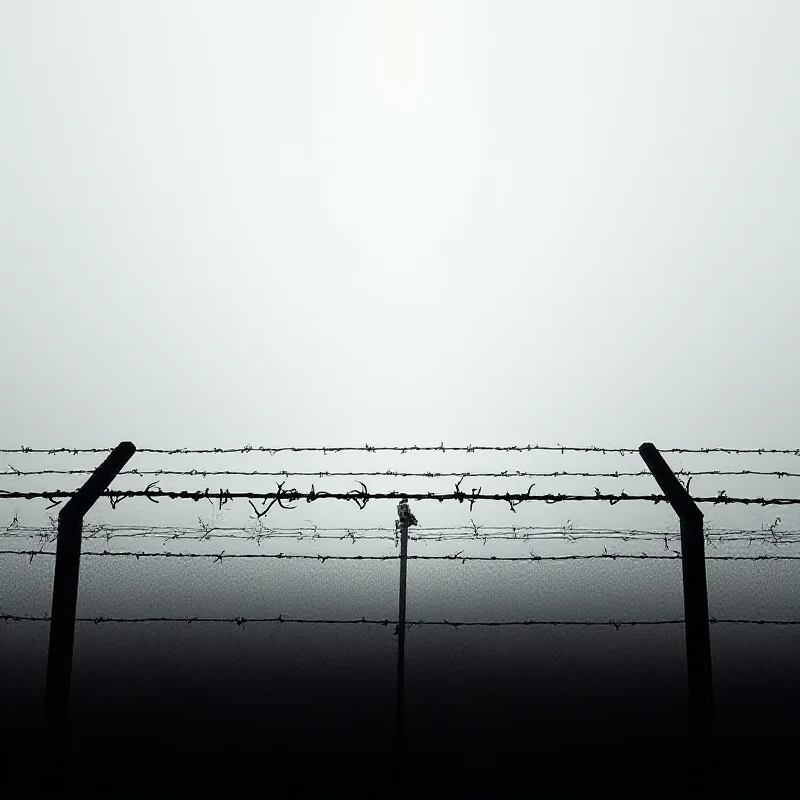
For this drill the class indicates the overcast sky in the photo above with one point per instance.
(395, 222)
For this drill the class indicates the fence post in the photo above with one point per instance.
(401, 636)
(65, 593)
(695, 602)
(405, 519)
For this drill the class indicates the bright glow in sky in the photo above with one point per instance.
(396, 222)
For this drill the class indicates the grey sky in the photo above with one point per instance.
(399, 222)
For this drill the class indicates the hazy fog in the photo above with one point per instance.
(399, 221)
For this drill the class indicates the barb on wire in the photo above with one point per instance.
(241, 620)
(292, 495)
(280, 497)
(258, 513)
(361, 498)
(405, 449)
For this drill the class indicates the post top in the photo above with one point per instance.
(98, 481)
(676, 494)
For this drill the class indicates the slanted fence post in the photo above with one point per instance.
(695, 602)
(65, 593)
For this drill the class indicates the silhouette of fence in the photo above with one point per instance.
(70, 533)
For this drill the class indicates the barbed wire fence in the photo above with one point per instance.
(291, 498)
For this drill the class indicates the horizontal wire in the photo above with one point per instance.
(783, 540)
(402, 449)
(14, 472)
(362, 497)
(473, 533)
(472, 529)
(31, 554)
(241, 621)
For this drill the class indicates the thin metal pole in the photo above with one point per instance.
(695, 602)
(401, 635)
(698, 638)
(65, 591)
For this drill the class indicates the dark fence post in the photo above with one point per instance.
(405, 519)
(401, 636)
(65, 592)
(695, 602)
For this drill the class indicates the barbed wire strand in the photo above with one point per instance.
(15, 472)
(473, 529)
(402, 449)
(241, 621)
(473, 532)
(218, 557)
(781, 540)
(361, 498)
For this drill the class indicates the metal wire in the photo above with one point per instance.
(241, 621)
(405, 449)
(14, 472)
(218, 557)
(783, 540)
(472, 533)
(361, 498)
